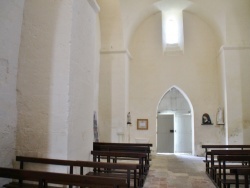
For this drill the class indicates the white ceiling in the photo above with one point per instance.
(135, 11)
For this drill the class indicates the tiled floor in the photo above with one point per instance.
(177, 171)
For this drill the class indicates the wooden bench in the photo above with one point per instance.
(225, 164)
(126, 147)
(241, 171)
(112, 170)
(97, 144)
(43, 178)
(208, 148)
(214, 167)
(140, 157)
(131, 169)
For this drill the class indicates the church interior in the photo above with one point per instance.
(173, 73)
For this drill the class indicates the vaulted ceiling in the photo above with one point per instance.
(131, 13)
(135, 11)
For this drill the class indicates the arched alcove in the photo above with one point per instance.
(175, 123)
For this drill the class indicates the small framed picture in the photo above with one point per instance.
(142, 124)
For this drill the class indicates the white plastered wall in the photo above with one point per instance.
(195, 72)
(234, 70)
(10, 30)
(236, 67)
(58, 79)
(113, 104)
(245, 77)
(84, 64)
(113, 95)
(43, 79)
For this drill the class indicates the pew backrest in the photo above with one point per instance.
(122, 144)
(241, 171)
(210, 147)
(226, 160)
(227, 152)
(124, 147)
(58, 178)
(130, 168)
(48, 161)
(140, 156)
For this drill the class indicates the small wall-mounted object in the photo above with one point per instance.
(206, 120)
(96, 136)
(129, 119)
(142, 124)
(220, 117)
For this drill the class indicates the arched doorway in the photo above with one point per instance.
(175, 123)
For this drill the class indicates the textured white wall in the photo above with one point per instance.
(245, 77)
(237, 23)
(10, 30)
(84, 64)
(113, 95)
(57, 78)
(112, 34)
(237, 94)
(43, 79)
(195, 72)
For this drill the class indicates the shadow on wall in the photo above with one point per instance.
(38, 95)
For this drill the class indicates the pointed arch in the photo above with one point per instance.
(191, 112)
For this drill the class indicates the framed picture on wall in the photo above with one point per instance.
(142, 124)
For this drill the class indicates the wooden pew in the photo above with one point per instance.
(126, 147)
(43, 178)
(129, 146)
(214, 167)
(225, 164)
(96, 144)
(129, 168)
(140, 157)
(208, 148)
(110, 170)
(241, 171)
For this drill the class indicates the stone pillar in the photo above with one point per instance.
(235, 92)
(114, 94)
(58, 66)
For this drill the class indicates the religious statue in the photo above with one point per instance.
(220, 118)
(129, 119)
(96, 137)
(206, 119)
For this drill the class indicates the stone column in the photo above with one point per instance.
(114, 94)
(235, 92)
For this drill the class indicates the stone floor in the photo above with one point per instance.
(177, 171)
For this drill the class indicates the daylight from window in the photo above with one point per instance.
(172, 31)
